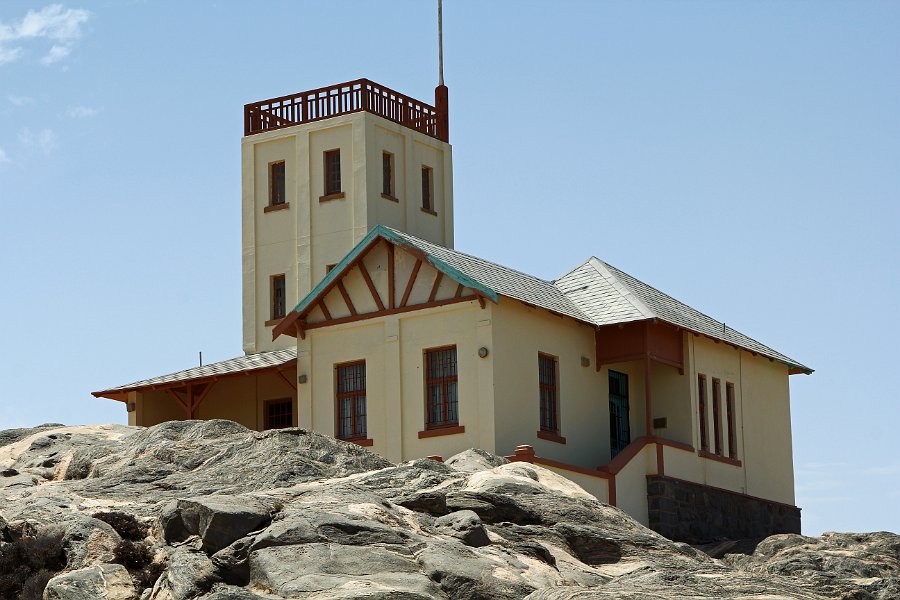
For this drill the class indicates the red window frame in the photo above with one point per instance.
(278, 413)
(279, 297)
(717, 415)
(731, 418)
(442, 384)
(350, 391)
(277, 187)
(548, 390)
(701, 409)
(332, 172)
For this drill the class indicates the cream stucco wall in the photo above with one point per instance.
(520, 333)
(393, 347)
(309, 234)
(768, 450)
(762, 420)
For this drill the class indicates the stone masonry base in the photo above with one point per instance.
(696, 514)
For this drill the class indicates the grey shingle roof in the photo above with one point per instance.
(502, 280)
(251, 362)
(610, 296)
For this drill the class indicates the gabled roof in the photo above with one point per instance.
(484, 277)
(232, 366)
(610, 296)
(594, 292)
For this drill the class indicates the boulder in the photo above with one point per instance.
(218, 520)
(98, 582)
(189, 573)
(329, 570)
(465, 526)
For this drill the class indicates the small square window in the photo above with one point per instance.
(332, 172)
(279, 297)
(427, 189)
(276, 184)
(279, 413)
(387, 174)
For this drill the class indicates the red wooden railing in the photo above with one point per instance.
(345, 98)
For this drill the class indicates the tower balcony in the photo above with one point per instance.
(345, 98)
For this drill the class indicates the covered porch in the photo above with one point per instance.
(259, 391)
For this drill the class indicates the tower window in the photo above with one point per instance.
(427, 189)
(332, 172)
(276, 184)
(387, 176)
(279, 297)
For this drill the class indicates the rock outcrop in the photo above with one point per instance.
(224, 513)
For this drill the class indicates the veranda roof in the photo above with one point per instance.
(233, 366)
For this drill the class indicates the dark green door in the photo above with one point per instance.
(619, 429)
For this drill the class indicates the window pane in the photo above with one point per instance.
(361, 416)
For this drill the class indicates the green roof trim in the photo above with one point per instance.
(386, 233)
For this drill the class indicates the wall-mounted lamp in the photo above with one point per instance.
(483, 352)
(301, 379)
(130, 407)
(585, 361)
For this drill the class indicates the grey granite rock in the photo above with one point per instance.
(465, 526)
(98, 582)
(218, 520)
(246, 515)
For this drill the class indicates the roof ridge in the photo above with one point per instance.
(627, 293)
(467, 255)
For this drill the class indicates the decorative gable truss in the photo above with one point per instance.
(381, 277)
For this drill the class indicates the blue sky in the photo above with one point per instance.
(742, 157)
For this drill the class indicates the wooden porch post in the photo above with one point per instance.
(648, 417)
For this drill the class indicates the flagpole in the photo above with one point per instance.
(440, 44)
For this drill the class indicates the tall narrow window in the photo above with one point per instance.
(730, 417)
(351, 400)
(276, 184)
(549, 393)
(279, 413)
(387, 175)
(701, 404)
(717, 415)
(619, 419)
(427, 189)
(332, 172)
(441, 392)
(279, 297)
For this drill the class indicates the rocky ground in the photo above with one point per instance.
(211, 510)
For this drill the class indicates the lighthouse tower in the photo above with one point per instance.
(319, 170)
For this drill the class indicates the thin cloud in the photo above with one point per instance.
(19, 100)
(8, 55)
(56, 54)
(44, 140)
(4, 158)
(56, 23)
(82, 112)
(882, 471)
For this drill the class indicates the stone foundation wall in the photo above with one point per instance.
(694, 513)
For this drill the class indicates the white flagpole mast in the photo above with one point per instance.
(440, 44)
